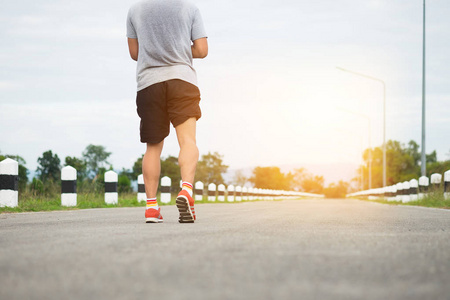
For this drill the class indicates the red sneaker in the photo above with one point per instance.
(153, 215)
(185, 204)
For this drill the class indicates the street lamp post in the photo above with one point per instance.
(384, 116)
(423, 161)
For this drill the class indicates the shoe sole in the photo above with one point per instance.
(186, 215)
(153, 220)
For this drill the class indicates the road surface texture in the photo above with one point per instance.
(293, 249)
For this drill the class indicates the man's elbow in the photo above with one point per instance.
(134, 56)
(203, 53)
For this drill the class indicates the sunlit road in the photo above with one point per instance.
(303, 249)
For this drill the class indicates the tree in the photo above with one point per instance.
(312, 184)
(297, 178)
(402, 164)
(432, 157)
(336, 190)
(240, 178)
(210, 168)
(413, 151)
(137, 168)
(96, 158)
(124, 182)
(270, 178)
(79, 165)
(23, 171)
(49, 167)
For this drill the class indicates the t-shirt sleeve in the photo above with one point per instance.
(198, 30)
(131, 31)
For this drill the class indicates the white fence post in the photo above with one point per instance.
(221, 191)
(436, 179)
(406, 187)
(447, 185)
(111, 195)
(230, 196)
(211, 192)
(166, 182)
(250, 194)
(238, 190)
(9, 183)
(256, 192)
(68, 186)
(245, 193)
(424, 182)
(414, 189)
(399, 194)
(141, 196)
(393, 192)
(198, 191)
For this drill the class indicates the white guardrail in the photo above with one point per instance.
(407, 191)
(9, 171)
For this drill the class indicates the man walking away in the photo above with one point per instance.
(163, 37)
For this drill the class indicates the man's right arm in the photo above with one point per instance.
(200, 48)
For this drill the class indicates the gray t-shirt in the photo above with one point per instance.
(164, 30)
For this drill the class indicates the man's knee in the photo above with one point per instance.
(155, 146)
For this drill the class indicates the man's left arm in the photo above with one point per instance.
(133, 47)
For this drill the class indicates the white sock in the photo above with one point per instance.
(187, 187)
(152, 203)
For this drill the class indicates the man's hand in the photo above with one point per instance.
(133, 47)
(200, 48)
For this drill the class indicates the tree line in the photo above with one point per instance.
(93, 163)
(403, 163)
(299, 180)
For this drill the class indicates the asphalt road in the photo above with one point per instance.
(296, 249)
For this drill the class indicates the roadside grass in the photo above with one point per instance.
(29, 202)
(432, 199)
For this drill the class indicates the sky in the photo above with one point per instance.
(271, 92)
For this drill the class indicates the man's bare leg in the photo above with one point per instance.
(188, 157)
(151, 168)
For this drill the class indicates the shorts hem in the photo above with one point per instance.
(181, 119)
(152, 140)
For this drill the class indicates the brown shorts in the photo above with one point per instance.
(173, 101)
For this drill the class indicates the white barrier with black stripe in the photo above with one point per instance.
(221, 193)
(399, 195)
(405, 196)
(111, 194)
(250, 194)
(392, 191)
(166, 183)
(436, 179)
(68, 186)
(245, 193)
(447, 184)
(238, 190)
(198, 191)
(414, 190)
(211, 192)
(424, 183)
(230, 196)
(9, 183)
(141, 195)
